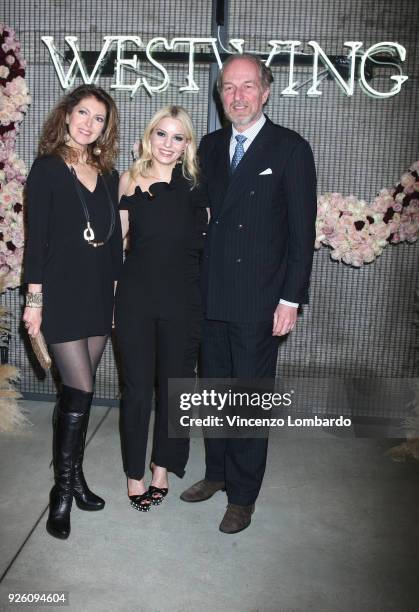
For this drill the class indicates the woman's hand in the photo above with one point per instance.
(32, 318)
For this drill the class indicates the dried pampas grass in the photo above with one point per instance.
(410, 448)
(12, 418)
(407, 450)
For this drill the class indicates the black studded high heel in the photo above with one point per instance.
(157, 494)
(142, 502)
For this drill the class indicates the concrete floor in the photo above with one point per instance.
(335, 529)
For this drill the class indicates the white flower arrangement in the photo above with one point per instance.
(14, 101)
(358, 232)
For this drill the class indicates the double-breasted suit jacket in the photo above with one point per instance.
(261, 234)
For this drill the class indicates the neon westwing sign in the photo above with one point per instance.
(392, 50)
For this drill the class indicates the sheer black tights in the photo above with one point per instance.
(77, 361)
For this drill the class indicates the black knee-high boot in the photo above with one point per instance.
(85, 498)
(70, 413)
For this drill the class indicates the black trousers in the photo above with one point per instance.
(238, 350)
(152, 351)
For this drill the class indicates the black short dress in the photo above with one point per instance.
(77, 279)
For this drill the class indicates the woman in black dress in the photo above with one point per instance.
(158, 306)
(72, 260)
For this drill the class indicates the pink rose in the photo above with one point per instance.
(407, 180)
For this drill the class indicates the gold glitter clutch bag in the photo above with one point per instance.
(40, 349)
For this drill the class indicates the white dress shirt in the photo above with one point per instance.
(251, 134)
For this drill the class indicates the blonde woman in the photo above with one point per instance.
(158, 305)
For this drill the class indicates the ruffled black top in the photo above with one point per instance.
(167, 228)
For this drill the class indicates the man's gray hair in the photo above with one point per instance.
(265, 73)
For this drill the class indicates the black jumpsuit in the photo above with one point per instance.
(77, 279)
(158, 314)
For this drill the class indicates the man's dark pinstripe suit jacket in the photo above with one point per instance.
(261, 234)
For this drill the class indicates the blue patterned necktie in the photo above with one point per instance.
(238, 153)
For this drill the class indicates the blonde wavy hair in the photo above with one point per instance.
(54, 131)
(190, 169)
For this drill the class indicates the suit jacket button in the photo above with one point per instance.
(238, 260)
(240, 226)
(204, 233)
(252, 193)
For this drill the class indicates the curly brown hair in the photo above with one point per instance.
(54, 131)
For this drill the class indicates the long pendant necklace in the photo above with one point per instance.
(88, 233)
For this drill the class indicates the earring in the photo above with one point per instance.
(182, 157)
(97, 150)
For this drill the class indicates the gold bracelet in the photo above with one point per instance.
(34, 300)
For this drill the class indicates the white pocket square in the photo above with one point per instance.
(267, 171)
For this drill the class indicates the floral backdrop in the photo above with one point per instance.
(358, 232)
(14, 101)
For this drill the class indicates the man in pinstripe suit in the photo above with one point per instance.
(261, 184)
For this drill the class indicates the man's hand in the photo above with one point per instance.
(285, 318)
(32, 318)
